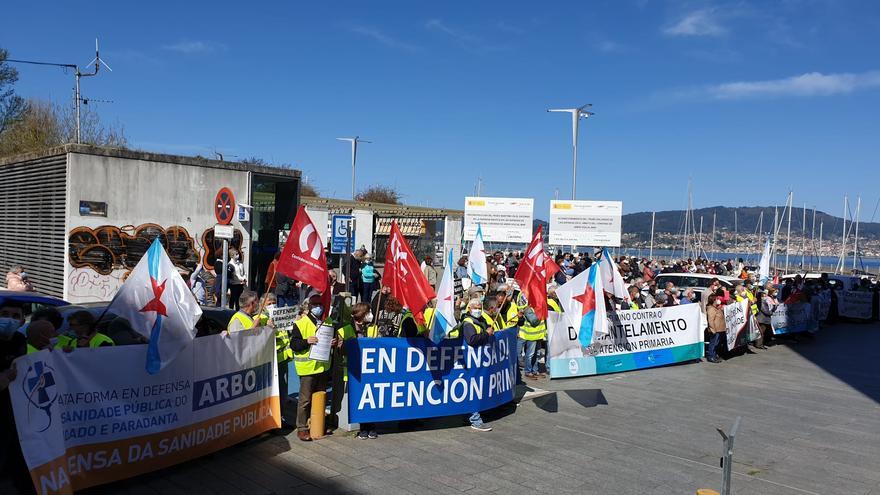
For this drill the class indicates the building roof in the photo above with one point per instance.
(196, 161)
(343, 206)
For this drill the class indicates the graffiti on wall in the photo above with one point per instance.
(109, 248)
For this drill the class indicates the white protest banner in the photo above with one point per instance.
(637, 339)
(822, 301)
(94, 416)
(284, 318)
(736, 321)
(585, 223)
(855, 304)
(793, 318)
(501, 219)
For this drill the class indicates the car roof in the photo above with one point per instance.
(22, 297)
(700, 275)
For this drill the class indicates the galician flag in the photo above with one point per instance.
(477, 270)
(583, 303)
(764, 264)
(444, 313)
(158, 304)
(612, 280)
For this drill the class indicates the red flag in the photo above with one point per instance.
(532, 275)
(302, 257)
(404, 276)
(550, 267)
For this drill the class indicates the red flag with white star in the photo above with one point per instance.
(532, 275)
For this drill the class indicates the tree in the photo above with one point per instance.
(379, 194)
(12, 106)
(44, 125)
(307, 189)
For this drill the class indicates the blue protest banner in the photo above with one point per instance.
(393, 379)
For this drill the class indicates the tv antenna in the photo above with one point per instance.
(78, 74)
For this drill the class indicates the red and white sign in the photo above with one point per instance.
(224, 206)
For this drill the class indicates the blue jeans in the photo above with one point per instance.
(711, 351)
(475, 419)
(530, 366)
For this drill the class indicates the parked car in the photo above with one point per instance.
(697, 281)
(30, 301)
(213, 321)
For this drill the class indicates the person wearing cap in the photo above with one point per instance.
(313, 375)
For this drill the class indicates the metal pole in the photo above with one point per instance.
(77, 102)
(575, 119)
(713, 234)
(727, 456)
(819, 255)
(224, 283)
(839, 267)
(651, 249)
(788, 241)
(856, 242)
(813, 237)
(354, 151)
(804, 237)
(735, 232)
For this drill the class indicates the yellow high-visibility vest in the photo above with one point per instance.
(304, 365)
(99, 339)
(246, 321)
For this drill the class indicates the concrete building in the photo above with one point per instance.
(431, 231)
(79, 218)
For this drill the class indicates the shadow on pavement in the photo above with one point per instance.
(850, 351)
(584, 397)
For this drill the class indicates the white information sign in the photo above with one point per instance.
(321, 350)
(585, 223)
(500, 219)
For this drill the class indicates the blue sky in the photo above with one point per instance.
(747, 98)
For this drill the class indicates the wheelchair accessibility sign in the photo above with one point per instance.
(343, 233)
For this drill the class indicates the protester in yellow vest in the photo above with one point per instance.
(83, 325)
(42, 333)
(245, 317)
(476, 332)
(360, 317)
(508, 311)
(313, 375)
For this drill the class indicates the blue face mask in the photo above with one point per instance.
(317, 311)
(8, 326)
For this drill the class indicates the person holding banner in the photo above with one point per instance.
(717, 327)
(360, 318)
(244, 318)
(476, 332)
(313, 374)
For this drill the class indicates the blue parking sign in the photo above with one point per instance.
(341, 225)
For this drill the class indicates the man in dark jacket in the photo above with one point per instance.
(476, 333)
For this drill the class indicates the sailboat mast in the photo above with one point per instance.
(804, 238)
(856, 242)
(840, 262)
(813, 237)
(821, 226)
(651, 248)
(788, 240)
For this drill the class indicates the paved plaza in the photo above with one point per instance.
(810, 425)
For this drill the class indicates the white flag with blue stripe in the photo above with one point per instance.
(159, 305)
(444, 312)
(477, 269)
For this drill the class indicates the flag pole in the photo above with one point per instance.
(266, 295)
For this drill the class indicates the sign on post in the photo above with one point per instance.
(224, 206)
(501, 219)
(342, 237)
(585, 223)
(223, 232)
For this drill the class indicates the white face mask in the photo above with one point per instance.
(368, 318)
(717, 303)
(476, 313)
(8, 326)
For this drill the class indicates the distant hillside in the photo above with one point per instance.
(747, 221)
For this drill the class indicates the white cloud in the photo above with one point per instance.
(702, 22)
(809, 84)
(383, 38)
(464, 39)
(195, 47)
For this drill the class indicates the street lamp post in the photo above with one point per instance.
(354, 152)
(576, 115)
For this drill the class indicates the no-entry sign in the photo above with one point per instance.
(224, 206)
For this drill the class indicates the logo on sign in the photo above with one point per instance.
(573, 366)
(39, 389)
(305, 237)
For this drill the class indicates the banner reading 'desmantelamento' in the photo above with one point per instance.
(94, 416)
(636, 339)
